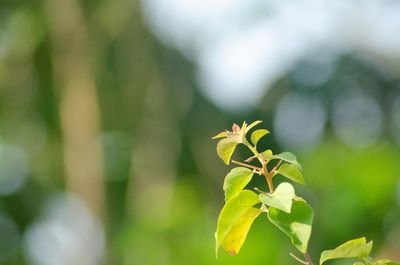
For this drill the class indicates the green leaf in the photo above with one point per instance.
(225, 149)
(248, 128)
(368, 260)
(281, 198)
(221, 135)
(356, 248)
(292, 172)
(386, 262)
(235, 239)
(236, 180)
(257, 135)
(359, 263)
(288, 157)
(235, 221)
(285, 156)
(297, 225)
(267, 154)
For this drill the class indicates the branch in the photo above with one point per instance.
(298, 259)
(268, 177)
(275, 168)
(246, 165)
(258, 190)
(309, 261)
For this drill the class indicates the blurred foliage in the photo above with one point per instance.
(159, 191)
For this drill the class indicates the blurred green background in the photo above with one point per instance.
(107, 114)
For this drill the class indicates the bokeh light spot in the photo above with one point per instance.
(357, 119)
(299, 121)
(67, 234)
(14, 169)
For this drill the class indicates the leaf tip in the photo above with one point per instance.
(253, 124)
(223, 134)
(232, 252)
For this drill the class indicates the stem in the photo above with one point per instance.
(308, 259)
(263, 170)
(270, 184)
(258, 190)
(246, 165)
(275, 168)
(268, 177)
(298, 259)
(253, 150)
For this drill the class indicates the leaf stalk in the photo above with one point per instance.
(298, 259)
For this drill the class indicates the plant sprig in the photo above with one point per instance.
(286, 210)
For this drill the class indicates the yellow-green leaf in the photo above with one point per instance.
(257, 135)
(235, 221)
(288, 157)
(285, 156)
(236, 180)
(253, 124)
(223, 134)
(235, 239)
(386, 262)
(356, 248)
(297, 225)
(225, 149)
(268, 155)
(292, 172)
(281, 198)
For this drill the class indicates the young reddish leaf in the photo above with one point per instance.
(235, 128)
